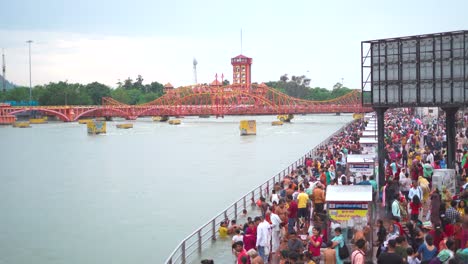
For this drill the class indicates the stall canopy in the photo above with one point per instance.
(369, 133)
(349, 193)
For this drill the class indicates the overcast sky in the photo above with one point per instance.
(107, 40)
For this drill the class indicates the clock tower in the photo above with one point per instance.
(241, 71)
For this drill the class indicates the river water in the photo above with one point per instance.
(131, 196)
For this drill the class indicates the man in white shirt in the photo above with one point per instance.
(275, 237)
(405, 183)
(430, 158)
(263, 234)
(415, 190)
(396, 207)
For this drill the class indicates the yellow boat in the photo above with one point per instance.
(124, 126)
(174, 122)
(277, 123)
(38, 120)
(21, 124)
(84, 121)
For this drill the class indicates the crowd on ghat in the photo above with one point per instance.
(417, 222)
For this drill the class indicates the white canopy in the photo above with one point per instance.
(349, 193)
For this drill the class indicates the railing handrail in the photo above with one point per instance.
(310, 154)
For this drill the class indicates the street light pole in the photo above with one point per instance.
(30, 83)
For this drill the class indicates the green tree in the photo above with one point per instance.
(134, 96)
(284, 78)
(128, 84)
(121, 95)
(96, 91)
(340, 91)
(156, 87)
(138, 84)
(226, 82)
(148, 97)
(337, 86)
(17, 94)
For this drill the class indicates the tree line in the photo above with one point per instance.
(64, 93)
(298, 86)
(135, 92)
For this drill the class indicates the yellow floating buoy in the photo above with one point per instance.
(38, 120)
(125, 126)
(21, 124)
(160, 118)
(84, 121)
(285, 118)
(174, 122)
(96, 127)
(277, 123)
(358, 115)
(248, 127)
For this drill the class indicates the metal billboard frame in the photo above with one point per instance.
(439, 85)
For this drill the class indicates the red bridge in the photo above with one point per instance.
(201, 100)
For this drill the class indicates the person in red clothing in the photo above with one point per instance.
(438, 235)
(249, 238)
(240, 252)
(292, 214)
(415, 207)
(315, 243)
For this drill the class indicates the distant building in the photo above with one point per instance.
(216, 83)
(168, 87)
(241, 70)
(427, 114)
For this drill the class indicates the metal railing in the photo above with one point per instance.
(195, 243)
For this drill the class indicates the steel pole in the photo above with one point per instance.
(30, 82)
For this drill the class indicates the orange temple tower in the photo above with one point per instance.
(241, 71)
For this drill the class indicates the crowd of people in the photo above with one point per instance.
(418, 222)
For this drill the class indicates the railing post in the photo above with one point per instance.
(225, 215)
(253, 198)
(235, 211)
(260, 190)
(245, 203)
(199, 241)
(268, 188)
(183, 252)
(213, 230)
(170, 261)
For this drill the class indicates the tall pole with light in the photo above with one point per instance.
(30, 82)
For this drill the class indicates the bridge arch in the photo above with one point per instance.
(60, 115)
(165, 111)
(206, 99)
(118, 111)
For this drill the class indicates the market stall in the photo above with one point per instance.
(350, 207)
(444, 178)
(368, 145)
(369, 133)
(359, 165)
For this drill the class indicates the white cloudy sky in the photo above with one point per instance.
(85, 41)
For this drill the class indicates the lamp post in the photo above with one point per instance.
(30, 84)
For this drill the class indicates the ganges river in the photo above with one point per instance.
(130, 196)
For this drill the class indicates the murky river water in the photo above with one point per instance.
(130, 196)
